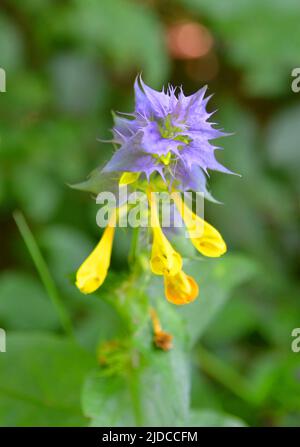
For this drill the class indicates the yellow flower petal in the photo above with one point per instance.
(204, 236)
(92, 273)
(180, 288)
(164, 259)
(129, 177)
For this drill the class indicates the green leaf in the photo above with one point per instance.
(156, 393)
(40, 381)
(107, 401)
(208, 418)
(164, 388)
(24, 304)
(96, 182)
(217, 279)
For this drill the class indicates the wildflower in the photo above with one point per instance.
(164, 145)
(167, 134)
(92, 273)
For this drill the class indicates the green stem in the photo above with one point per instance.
(134, 245)
(224, 374)
(135, 398)
(43, 271)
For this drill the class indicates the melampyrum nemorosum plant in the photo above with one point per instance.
(165, 145)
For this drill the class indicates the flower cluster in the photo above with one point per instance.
(166, 141)
(167, 134)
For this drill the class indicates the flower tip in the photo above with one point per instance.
(181, 289)
(93, 271)
(88, 284)
(212, 248)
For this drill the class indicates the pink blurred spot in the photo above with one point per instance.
(189, 40)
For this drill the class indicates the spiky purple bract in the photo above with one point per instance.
(169, 134)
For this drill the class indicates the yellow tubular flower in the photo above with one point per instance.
(92, 273)
(204, 236)
(164, 259)
(180, 288)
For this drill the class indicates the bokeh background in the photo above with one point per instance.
(68, 64)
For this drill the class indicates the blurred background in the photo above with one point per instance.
(69, 63)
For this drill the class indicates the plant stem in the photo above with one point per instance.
(43, 271)
(224, 374)
(135, 397)
(134, 245)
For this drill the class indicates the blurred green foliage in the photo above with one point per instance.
(68, 64)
